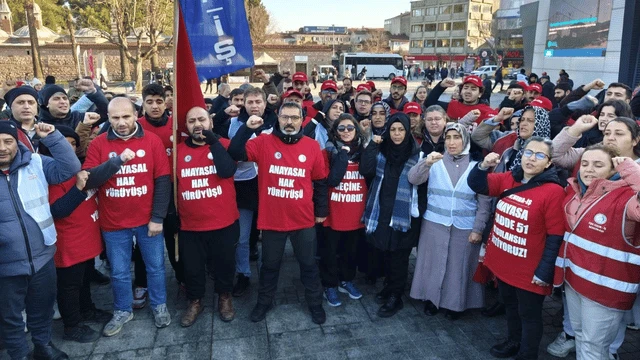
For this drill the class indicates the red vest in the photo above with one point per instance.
(596, 259)
(347, 201)
(79, 236)
(457, 110)
(504, 143)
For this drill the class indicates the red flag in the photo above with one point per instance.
(188, 91)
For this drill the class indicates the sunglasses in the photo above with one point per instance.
(539, 155)
(349, 128)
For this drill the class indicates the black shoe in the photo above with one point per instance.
(48, 352)
(494, 310)
(383, 296)
(391, 307)
(430, 309)
(453, 315)
(318, 316)
(241, 286)
(259, 312)
(506, 349)
(253, 254)
(99, 278)
(96, 315)
(81, 333)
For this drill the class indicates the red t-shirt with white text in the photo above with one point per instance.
(285, 181)
(125, 201)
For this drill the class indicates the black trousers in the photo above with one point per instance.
(74, 292)
(304, 248)
(524, 318)
(496, 84)
(36, 294)
(396, 263)
(169, 229)
(219, 246)
(338, 256)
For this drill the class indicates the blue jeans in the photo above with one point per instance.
(119, 244)
(242, 250)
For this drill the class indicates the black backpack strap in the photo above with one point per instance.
(520, 188)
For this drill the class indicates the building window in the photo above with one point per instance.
(417, 12)
(486, 9)
(445, 26)
(457, 42)
(429, 27)
(475, 8)
(431, 11)
(460, 8)
(429, 43)
(416, 43)
(459, 25)
(443, 43)
(416, 28)
(445, 9)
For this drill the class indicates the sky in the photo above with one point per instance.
(294, 14)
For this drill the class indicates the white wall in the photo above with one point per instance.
(581, 69)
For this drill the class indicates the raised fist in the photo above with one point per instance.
(260, 75)
(377, 139)
(86, 86)
(447, 83)
(254, 122)
(81, 179)
(42, 129)
(232, 111)
(470, 117)
(583, 124)
(433, 158)
(90, 118)
(491, 160)
(127, 155)
(504, 114)
(272, 99)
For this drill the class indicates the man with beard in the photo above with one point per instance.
(396, 99)
(156, 120)
(533, 92)
(328, 91)
(288, 163)
(143, 185)
(28, 237)
(168, 99)
(208, 215)
(246, 182)
(55, 108)
(348, 91)
(363, 102)
(221, 101)
(547, 88)
(469, 99)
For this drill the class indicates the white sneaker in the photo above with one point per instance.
(161, 316)
(56, 312)
(561, 346)
(117, 322)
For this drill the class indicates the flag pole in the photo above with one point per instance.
(174, 152)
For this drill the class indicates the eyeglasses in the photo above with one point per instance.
(397, 87)
(349, 128)
(364, 102)
(539, 155)
(330, 92)
(293, 118)
(433, 119)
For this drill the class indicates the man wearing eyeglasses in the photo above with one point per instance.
(396, 99)
(328, 91)
(288, 164)
(363, 102)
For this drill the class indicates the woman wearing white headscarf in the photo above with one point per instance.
(452, 226)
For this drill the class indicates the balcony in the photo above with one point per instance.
(444, 34)
(458, 33)
(459, 16)
(444, 17)
(415, 50)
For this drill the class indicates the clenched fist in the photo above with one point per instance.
(86, 86)
(232, 111)
(490, 160)
(583, 124)
(127, 155)
(42, 129)
(81, 179)
(254, 122)
(447, 83)
(90, 118)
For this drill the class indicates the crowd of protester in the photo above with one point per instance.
(541, 191)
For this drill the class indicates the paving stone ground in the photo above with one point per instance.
(352, 331)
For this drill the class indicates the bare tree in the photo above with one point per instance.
(376, 42)
(33, 37)
(74, 43)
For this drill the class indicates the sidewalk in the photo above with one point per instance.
(352, 331)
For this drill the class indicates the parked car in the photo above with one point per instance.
(488, 70)
(326, 72)
(512, 73)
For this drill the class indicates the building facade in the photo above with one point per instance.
(399, 25)
(601, 41)
(449, 31)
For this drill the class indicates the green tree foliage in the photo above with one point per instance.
(52, 14)
(259, 20)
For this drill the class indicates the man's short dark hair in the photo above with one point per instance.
(291, 105)
(50, 79)
(255, 91)
(624, 86)
(365, 93)
(523, 71)
(168, 88)
(236, 92)
(208, 101)
(564, 86)
(152, 90)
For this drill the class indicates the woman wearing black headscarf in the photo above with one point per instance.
(393, 228)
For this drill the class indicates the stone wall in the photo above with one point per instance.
(57, 59)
